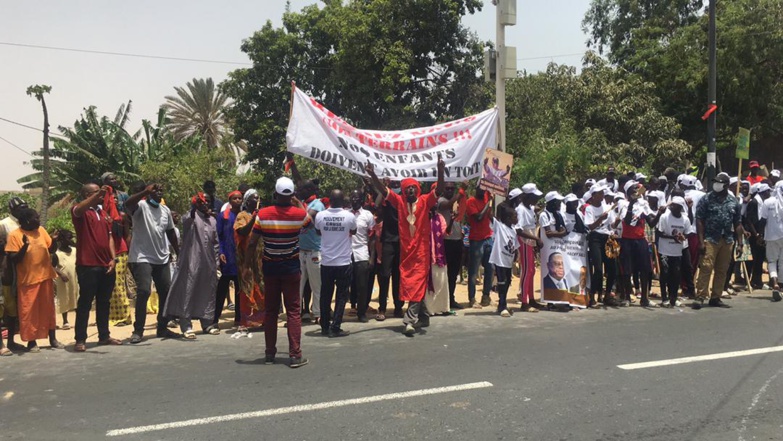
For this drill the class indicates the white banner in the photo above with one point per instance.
(564, 272)
(318, 134)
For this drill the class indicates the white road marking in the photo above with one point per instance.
(753, 404)
(709, 357)
(295, 409)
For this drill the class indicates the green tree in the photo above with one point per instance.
(198, 109)
(380, 64)
(567, 126)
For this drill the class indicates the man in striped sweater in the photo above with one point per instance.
(278, 226)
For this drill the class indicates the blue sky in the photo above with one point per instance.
(198, 29)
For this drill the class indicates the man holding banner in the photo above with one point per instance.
(415, 240)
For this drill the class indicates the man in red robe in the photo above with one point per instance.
(415, 232)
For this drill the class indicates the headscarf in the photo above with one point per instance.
(408, 182)
(248, 194)
(198, 197)
(234, 193)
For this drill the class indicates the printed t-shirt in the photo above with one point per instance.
(335, 225)
(670, 225)
(504, 245)
(36, 266)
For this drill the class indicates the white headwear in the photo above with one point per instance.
(679, 200)
(248, 194)
(628, 185)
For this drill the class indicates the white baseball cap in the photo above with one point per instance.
(570, 197)
(753, 188)
(284, 186)
(552, 195)
(640, 176)
(590, 181)
(628, 185)
(531, 188)
(762, 187)
(775, 173)
(679, 200)
(514, 193)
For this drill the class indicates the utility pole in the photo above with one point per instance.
(505, 61)
(712, 95)
(38, 92)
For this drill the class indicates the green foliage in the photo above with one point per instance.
(380, 64)
(199, 111)
(565, 127)
(665, 42)
(5, 197)
(182, 175)
(60, 219)
(38, 91)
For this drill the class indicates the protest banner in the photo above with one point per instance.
(316, 133)
(564, 274)
(496, 172)
(743, 144)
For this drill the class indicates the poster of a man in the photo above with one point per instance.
(556, 277)
(496, 172)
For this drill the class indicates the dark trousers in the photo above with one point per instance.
(453, 265)
(759, 253)
(286, 286)
(222, 292)
(390, 269)
(598, 262)
(331, 276)
(360, 287)
(671, 276)
(504, 281)
(145, 274)
(94, 283)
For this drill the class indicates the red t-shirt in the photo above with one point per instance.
(754, 179)
(479, 230)
(634, 232)
(93, 233)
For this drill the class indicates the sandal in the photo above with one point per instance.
(214, 330)
(65, 326)
(110, 342)
(189, 335)
(5, 352)
(380, 317)
(80, 347)
(56, 345)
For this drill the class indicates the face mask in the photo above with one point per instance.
(718, 187)
(153, 202)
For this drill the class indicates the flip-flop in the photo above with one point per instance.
(5, 352)
(65, 326)
(189, 335)
(380, 317)
(213, 331)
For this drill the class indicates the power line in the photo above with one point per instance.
(550, 56)
(16, 146)
(122, 54)
(20, 124)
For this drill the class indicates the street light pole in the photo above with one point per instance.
(712, 94)
(500, 79)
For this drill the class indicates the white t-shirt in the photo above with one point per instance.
(592, 214)
(149, 243)
(695, 196)
(774, 228)
(504, 245)
(671, 226)
(335, 225)
(526, 221)
(547, 219)
(364, 224)
(7, 225)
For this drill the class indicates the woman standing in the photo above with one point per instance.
(436, 301)
(29, 248)
(250, 314)
(66, 289)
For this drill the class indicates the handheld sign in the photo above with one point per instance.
(496, 172)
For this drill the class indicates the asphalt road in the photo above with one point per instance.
(554, 376)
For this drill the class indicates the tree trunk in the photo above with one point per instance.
(44, 214)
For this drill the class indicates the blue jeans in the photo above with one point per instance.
(478, 253)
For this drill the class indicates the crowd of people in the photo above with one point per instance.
(314, 257)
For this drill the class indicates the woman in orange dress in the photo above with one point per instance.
(251, 311)
(29, 248)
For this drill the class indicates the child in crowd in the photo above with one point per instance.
(504, 252)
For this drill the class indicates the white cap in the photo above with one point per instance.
(753, 188)
(595, 189)
(640, 176)
(663, 178)
(775, 173)
(628, 185)
(687, 180)
(658, 194)
(609, 193)
(762, 187)
(590, 181)
(284, 186)
(570, 197)
(514, 193)
(733, 180)
(552, 195)
(530, 188)
(679, 200)
(619, 195)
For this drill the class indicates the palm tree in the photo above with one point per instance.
(199, 109)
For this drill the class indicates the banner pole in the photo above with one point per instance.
(739, 177)
(291, 103)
